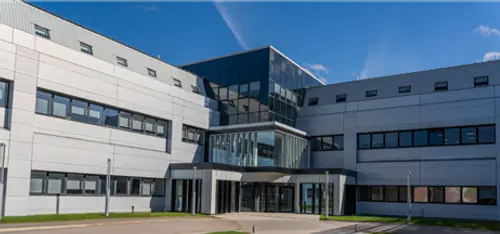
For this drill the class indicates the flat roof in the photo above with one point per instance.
(262, 126)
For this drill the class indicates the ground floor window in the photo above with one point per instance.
(182, 195)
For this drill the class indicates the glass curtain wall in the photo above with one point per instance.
(260, 148)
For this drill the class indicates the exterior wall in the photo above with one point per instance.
(46, 143)
(462, 105)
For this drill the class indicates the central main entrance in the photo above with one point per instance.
(267, 197)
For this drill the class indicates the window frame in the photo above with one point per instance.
(440, 86)
(121, 61)
(42, 31)
(177, 82)
(151, 72)
(86, 48)
(341, 98)
(195, 89)
(480, 83)
(404, 89)
(371, 93)
(314, 101)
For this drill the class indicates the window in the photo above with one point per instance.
(391, 140)
(110, 117)
(364, 193)
(86, 48)
(79, 110)
(4, 94)
(487, 196)
(147, 187)
(486, 134)
(149, 126)
(452, 195)
(341, 98)
(313, 101)
(233, 92)
(36, 182)
(151, 72)
(161, 128)
(469, 194)
(452, 136)
(378, 140)
(95, 114)
(177, 82)
(316, 143)
(436, 194)
(123, 120)
(481, 81)
(420, 138)
(91, 184)
(137, 121)
(55, 183)
(192, 134)
(255, 89)
(377, 193)
(436, 136)
(159, 187)
(405, 139)
(43, 101)
(441, 86)
(364, 141)
(121, 61)
(61, 106)
(195, 89)
(371, 93)
(403, 194)
(135, 188)
(327, 143)
(338, 142)
(469, 135)
(41, 31)
(74, 184)
(405, 89)
(391, 194)
(121, 185)
(420, 194)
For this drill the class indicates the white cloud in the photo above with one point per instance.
(231, 24)
(489, 56)
(323, 79)
(487, 31)
(317, 68)
(151, 7)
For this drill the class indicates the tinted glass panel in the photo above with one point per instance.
(55, 183)
(95, 114)
(364, 193)
(123, 120)
(420, 194)
(405, 139)
(469, 194)
(74, 184)
(233, 92)
(111, 117)
(4, 88)
(452, 136)
(403, 194)
(391, 140)
(486, 134)
(327, 143)
(487, 196)
(79, 110)
(420, 138)
(61, 106)
(436, 137)
(149, 126)
(364, 141)
(137, 121)
(338, 142)
(436, 194)
(377, 193)
(452, 195)
(254, 89)
(404, 89)
(378, 140)
(469, 135)
(391, 194)
(161, 128)
(43, 101)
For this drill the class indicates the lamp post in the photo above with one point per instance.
(108, 187)
(193, 203)
(327, 194)
(2, 180)
(408, 189)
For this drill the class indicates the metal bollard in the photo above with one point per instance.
(253, 229)
(133, 209)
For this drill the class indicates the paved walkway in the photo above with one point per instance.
(264, 223)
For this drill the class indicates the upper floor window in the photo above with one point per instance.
(4, 94)
(441, 86)
(326, 143)
(151, 72)
(371, 93)
(41, 31)
(481, 81)
(405, 89)
(313, 101)
(193, 134)
(121, 61)
(341, 98)
(195, 89)
(86, 48)
(177, 82)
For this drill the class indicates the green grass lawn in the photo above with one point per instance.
(228, 232)
(75, 217)
(483, 225)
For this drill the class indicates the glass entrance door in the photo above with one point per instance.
(286, 198)
(271, 196)
(312, 198)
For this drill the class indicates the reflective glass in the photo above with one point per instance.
(469, 135)
(254, 89)
(486, 134)
(420, 138)
(452, 136)
(244, 90)
(61, 106)
(79, 110)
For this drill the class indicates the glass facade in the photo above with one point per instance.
(260, 148)
(257, 86)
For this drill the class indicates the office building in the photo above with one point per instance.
(256, 131)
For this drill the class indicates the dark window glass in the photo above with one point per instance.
(61, 106)
(110, 117)
(233, 92)
(121, 61)
(371, 93)
(391, 140)
(487, 196)
(404, 89)
(452, 194)
(161, 128)
(91, 184)
(469, 194)
(223, 93)
(316, 143)
(405, 139)
(121, 186)
(159, 187)
(177, 82)
(486, 134)
(452, 136)
(313, 101)
(441, 86)
(151, 72)
(481, 81)
(436, 194)
(420, 138)
(95, 114)
(242, 118)
(4, 94)
(41, 31)
(43, 101)
(391, 194)
(254, 105)
(149, 126)
(74, 184)
(364, 141)
(124, 120)
(327, 143)
(243, 105)
(436, 136)
(364, 193)
(86, 48)
(135, 186)
(195, 89)
(264, 116)
(377, 140)
(79, 110)
(420, 194)
(254, 89)
(341, 98)
(338, 142)
(244, 90)
(136, 122)
(233, 119)
(403, 194)
(469, 135)
(377, 193)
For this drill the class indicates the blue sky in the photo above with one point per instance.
(336, 41)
